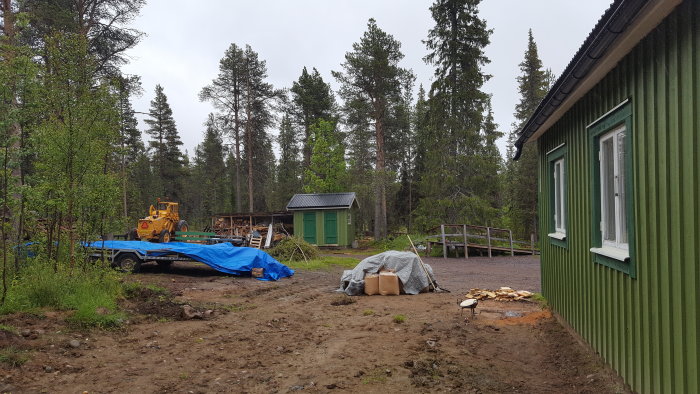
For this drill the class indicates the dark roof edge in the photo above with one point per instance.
(335, 206)
(611, 25)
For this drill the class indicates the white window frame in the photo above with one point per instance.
(618, 214)
(559, 174)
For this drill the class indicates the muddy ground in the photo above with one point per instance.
(298, 335)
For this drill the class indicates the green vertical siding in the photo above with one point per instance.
(345, 232)
(646, 327)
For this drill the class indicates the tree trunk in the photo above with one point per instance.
(380, 225)
(237, 130)
(249, 143)
(15, 129)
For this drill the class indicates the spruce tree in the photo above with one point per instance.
(326, 172)
(450, 163)
(370, 82)
(165, 147)
(522, 175)
(313, 100)
(257, 99)
(210, 169)
(131, 149)
(289, 168)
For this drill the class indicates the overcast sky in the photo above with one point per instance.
(185, 40)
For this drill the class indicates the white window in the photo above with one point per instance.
(613, 212)
(559, 200)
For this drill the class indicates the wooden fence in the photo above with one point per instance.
(467, 236)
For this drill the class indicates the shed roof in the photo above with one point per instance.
(322, 201)
(617, 32)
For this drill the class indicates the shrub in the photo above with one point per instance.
(398, 319)
(90, 291)
(290, 249)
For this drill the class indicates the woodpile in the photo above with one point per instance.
(231, 227)
(503, 294)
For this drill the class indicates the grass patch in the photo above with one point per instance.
(323, 263)
(367, 312)
(377, 375)
(6, 328)
(90, 291)
(399, 319)
(13, 357)
(539, 298)
(132, 289)
(343, 300)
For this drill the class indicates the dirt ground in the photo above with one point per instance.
(298, 335)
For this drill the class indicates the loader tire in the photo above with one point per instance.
(164, 236)
(127, 262)
(182, 226)
(133, 235)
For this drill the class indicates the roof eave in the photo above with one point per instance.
(645, 16)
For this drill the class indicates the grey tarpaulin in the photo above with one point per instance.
(406, 265)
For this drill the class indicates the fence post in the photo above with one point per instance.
(510, 236)
(488, 238)
(532, 243)
(466, 251)
(444, 242)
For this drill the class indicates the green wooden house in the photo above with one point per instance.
(618, 141)
(324, 219)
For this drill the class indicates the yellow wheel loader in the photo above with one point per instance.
(160, 225)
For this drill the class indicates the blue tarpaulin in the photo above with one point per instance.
(222, 257)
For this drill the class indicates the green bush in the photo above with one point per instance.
(290, 249)
(400, 243)
(90, 291)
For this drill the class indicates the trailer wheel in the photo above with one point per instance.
(127, 262)
(164, 236)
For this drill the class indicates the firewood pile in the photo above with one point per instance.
(503, 294)
(228, 227)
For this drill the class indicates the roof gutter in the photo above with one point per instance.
(619, 30)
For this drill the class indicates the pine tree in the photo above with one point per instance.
(103, 23)
(165, 147)
(533, 83)
(226, 94)
(370, 82)
(451, 164)
(313, 100)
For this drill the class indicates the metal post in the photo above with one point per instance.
(488, 238)
(466, 251)
(510, 236)
(532, 243)
(444, 243)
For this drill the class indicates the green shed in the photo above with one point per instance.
(618, 142)
(324, 219)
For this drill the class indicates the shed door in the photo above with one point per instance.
(310, 227)
(330, 227)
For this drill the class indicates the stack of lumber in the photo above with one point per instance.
(502, 294)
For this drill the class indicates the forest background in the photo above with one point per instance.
(77, 166)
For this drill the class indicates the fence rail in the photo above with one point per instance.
(468, 236)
